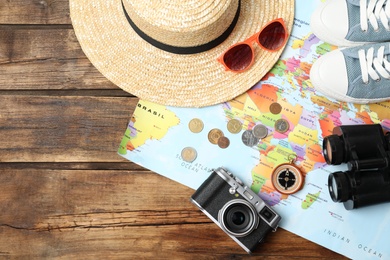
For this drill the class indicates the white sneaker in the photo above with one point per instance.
(356, 74)
(352, 22)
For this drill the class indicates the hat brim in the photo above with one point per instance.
(149, 73)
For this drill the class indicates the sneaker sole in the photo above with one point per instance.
(315, 80)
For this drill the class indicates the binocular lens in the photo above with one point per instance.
(333, 189)
(338, 186)
(333, 148)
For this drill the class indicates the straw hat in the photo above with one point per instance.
(151, 48)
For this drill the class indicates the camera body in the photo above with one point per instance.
(365, 148)
(236, 209)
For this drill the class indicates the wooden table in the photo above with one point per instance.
(64, 191)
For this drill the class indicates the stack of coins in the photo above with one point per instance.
(217, 137)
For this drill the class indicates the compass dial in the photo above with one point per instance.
(287, 178)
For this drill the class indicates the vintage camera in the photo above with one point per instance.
(365, 148)
(236, 209)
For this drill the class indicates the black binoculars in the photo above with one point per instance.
(365, 148)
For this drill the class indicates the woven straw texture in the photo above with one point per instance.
(190, 80)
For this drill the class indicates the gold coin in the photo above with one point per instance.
(234, 126)
(196, 125)
(214, 135)
(281, 125)
(189, 154)
(275, 108)
(223, 142)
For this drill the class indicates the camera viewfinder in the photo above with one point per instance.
(267, 214)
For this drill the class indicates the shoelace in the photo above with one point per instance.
(375, 67)
(375, 11)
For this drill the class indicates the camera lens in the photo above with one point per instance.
(238, 218)
(333, 149)
(338, 185)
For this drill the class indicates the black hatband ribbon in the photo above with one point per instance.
(184, 50)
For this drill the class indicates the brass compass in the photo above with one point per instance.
(287, 178)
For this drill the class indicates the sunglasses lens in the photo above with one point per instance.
(273, 36)
(239, 57)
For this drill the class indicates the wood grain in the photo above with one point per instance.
(31, 61)
(73, 213)
(34, 12)
(65, 193)
(62, 129)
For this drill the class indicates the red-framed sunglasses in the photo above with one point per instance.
(240, 56)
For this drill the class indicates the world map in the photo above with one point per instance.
(157, 134)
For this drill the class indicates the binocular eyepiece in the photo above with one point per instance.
(365, 148)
